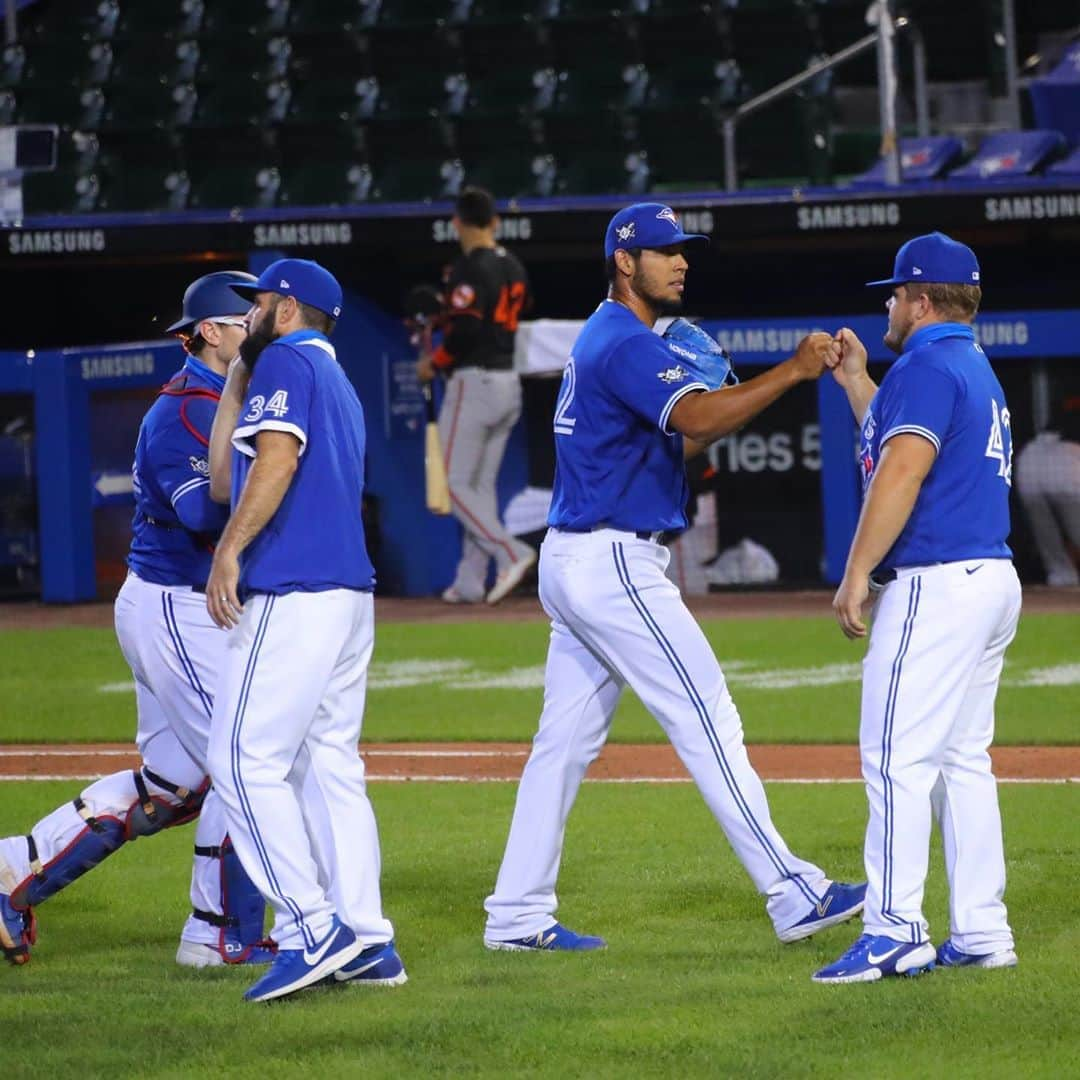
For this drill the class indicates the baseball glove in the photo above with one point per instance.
(703, 355)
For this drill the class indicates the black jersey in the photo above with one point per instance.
(485, 294)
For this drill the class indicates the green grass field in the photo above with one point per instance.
(793, 680)
(693, 982)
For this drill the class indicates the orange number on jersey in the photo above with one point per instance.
(511, 301)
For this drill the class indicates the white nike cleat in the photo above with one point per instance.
(872, 958)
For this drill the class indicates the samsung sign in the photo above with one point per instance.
(304, 234)
(862, 215)
(56, 241)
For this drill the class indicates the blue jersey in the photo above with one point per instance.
(315, 540)
(176, 523)
(943, 389)
(616, 463)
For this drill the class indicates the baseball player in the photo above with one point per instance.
(1048, 483)
(629, 408)
(485, 295)
(283, 746)
(936, 458)
(174, 651)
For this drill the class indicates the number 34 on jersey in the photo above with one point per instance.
(278, 406)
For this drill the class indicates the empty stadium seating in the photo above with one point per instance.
(354, 100)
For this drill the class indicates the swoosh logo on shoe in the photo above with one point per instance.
(313, 958)
(823, 906)
(872, 958)
(973, 569)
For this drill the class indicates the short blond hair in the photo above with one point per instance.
(956, 302)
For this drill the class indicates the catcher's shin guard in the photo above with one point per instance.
(109, 813)
(243, 910)
(18, 928)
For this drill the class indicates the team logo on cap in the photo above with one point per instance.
(673, 374)
(917, 271)
(667, 214)
(625, 232)
(283, 284)
(974, 275)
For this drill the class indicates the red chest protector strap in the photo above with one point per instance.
(178, 387)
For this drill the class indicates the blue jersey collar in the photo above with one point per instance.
(201, 371)
(306, 334)
(938, 331)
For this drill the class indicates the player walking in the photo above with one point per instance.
(627, 406)
(937, 461)
(485, 295)
(283, 748)
(174, 651)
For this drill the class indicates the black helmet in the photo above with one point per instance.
(210, 296)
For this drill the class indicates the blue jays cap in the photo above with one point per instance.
(935, 258)
(645, 225)
(309, 282)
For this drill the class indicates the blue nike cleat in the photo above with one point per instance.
(377, 965)
(18, 931)
(293, 969)
(948, 955)
(872, 958)
(840, 903)
(555, 938)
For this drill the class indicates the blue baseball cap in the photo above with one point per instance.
(309, 282)
(934, 258)
(645, 225)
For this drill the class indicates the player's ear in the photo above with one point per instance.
(624, 261)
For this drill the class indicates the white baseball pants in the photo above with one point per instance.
(930, 676)
(284, 758)
(478, 413)
(616, 620)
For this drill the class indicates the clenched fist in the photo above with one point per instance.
(815, 353)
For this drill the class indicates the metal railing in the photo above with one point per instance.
(877, 39)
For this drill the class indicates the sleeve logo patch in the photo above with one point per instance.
(199, 465)
(462, 297)
(674, 374)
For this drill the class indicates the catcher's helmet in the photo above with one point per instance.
(212, 295)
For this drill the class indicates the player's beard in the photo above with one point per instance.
(897, 334)
(662, 305)
(257, 340)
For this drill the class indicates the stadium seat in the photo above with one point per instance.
(514, 176)
(72, 60)
(64, 191)
(12, 64)
(603, 172)
(1055, 98)
(9, 107)
(174, 62)
(1067, 168)
(497, 31)
(225, 186)
(595, 102)
(90, 20)
(690, 95)
(242, 102)
(232, 17)
(265, 59)
(139, 148)
(417, 181)
(156, 105)
(583, 23)
(678, 29)
(143, 188)
(418, 15)
(422, 93)
(1010, 154)
(513, 90)
(332, 101)
(334, 15)
(66, 105)
(673, 169)
(325, 183)
(161, 18)
(920, 159)
(773, 43)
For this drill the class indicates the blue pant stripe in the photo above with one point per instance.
(706, 722)
(234, 757)
(173, 627)
(886, 747)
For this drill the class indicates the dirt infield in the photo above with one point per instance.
(762, 604)
(504, 761)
